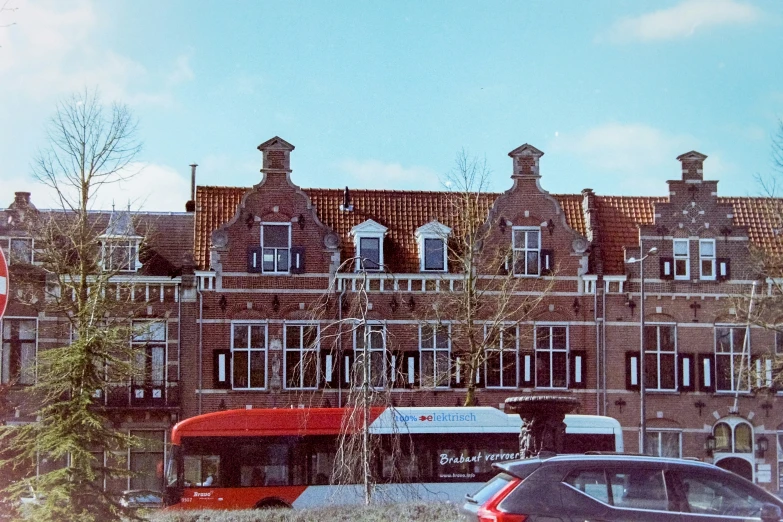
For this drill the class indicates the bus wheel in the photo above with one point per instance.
(273, 503)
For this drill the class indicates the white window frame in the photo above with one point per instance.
(436, 330)
(523, 251)
(433, 231)
(312, 350)
(658, 353)
(358, 352)
(552, 351)
(681, 257)
(108, 246)
(657, 435)
(10, 251)
(709, 259)
(735, 355)
(5, 375)
(143, 334)
(249, 351)
(503, 352)
(276, 269)
(368, 230)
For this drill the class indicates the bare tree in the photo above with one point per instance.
(483, 308)
(88, 148)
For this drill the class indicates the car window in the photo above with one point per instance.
(489, 489)
(710, 496)
(591, 483)
(638, 489)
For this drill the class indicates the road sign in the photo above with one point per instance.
(3, 283)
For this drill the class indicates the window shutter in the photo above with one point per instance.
(706, 372)
(527, 372)
(330, 369)
(254, 255)
(723, 268)
(667, 267)
(547, 262)
(578, 369)
(687, 372)
(480, 376)
(458, 374)
(632, 370)
(297, 260)
(221, 368)
(410, 369)
(346, 365)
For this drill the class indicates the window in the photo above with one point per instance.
(146, 460)
(248, 355)
(370, 253)
(301, 356)
(527, 251)
(276, 244)
(370, 341)
(707, 259)
(434, 254)
(432, 239)
(149, 350)
(434, 344)
(731, 368)
(21, 250)
(663, 444)
(717, 497)
(733, 436)
(121, 255)
(501, 357)
(638, 488)
(19, 344)
(660, 362)
(682, 258)
(551, 344)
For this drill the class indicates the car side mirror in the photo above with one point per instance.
(770, 513)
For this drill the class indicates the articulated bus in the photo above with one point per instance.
(242, 459)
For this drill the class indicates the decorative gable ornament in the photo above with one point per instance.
(120, 243)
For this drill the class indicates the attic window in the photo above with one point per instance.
(432, 240)
(121, 255)
(368, 242)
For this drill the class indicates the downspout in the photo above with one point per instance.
(340, 346)
(598, 353)
(200, 345)
(603, 348)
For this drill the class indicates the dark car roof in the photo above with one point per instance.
(524, 467)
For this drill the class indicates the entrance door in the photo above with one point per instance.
(741, 467)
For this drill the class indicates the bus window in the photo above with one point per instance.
(264, 464)
(202, 470)
(320, 465)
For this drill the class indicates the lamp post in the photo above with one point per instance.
(642, 405)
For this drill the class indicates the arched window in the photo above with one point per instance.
(723, 437)
(733, 436)
(743, 438)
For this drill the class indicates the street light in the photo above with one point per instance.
(642, 405)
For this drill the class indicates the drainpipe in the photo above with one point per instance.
(200, 345)
(603, 348)
(340, 345)
(598, 353)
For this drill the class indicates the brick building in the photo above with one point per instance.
(242, 332)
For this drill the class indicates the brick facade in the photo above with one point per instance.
(267, 256)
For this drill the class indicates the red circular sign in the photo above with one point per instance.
(3, 283)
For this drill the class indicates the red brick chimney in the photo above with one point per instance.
(692, 165)
(277, 156)
(526, 161)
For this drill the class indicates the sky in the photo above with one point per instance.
(378, 95)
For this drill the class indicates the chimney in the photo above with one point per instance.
(526, 161)
(22, 199)
(692, 166)
(190, 206)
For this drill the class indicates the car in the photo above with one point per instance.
(603, 487)
(141, 499)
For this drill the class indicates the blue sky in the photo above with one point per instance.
(383, 95)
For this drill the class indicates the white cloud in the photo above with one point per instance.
(54, 48)
(683, 20)
(629, 158)
(151, 188)
(376, 174)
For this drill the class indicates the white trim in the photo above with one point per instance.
(523, 250)
(680, 257)
(433, 230)
(709, 259)
(302, 349)
(276, 270)
(248, 350)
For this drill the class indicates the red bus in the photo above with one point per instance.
(242, 459)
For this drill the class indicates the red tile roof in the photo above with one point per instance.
(404, 211)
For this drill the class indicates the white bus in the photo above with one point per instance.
(240, 459)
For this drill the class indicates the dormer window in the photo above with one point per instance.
(121, 255)
(276, 247)
(368, 242)
(432, 240)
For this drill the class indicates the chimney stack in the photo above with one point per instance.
(526, 161)
(692, 166)
(190, 206)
